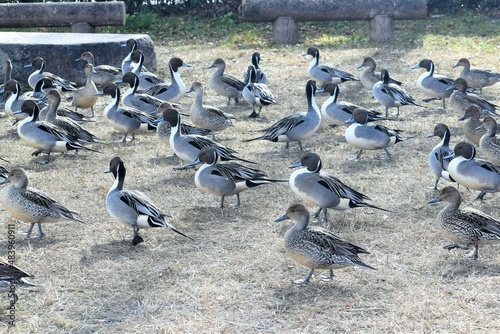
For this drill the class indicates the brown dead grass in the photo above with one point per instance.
(235, 277)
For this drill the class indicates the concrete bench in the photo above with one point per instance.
(82, 17)
(285, 13)
(59, 50)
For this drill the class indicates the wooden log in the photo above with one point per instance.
(381, 28)
(82, 28)
(61, 14)
(285, 31)
(331, 10)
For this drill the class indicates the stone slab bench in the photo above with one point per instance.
(60, 50)
(285, 13)
(82, 17)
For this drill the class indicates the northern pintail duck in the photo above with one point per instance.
(84, 97)
(10, 274)
(15, 100)
(131, 207)
(391, 95)
(370, 136)
(438, 164)
(102, 73)
(124, 119)
(257, 94)
(316, 247)
(465, 227)
(146, 79)
(44, 136)
(297, 126)
(325, 73)
(472, 128)
(187, 147)
(340, 111)
(460, 100)
(74, 129)
(323, 189)
(170, 92)
(260, 75)
(39, 64)
(473, 173)
(30, 205)
(477, 78)
(8, 75)
(38, 93)
(489, 143)
(164, 129)
(225, 179)
(369, 77)
(144, 102)
(132, 45)
(207, 117)
(432, 84)
(224, 84)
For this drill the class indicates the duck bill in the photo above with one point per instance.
(279, 219)
(464, 117)
(349, 121)
(434, 200)
(295, 165)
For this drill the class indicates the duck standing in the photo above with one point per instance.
(369, 77)
(224, 84)
(490, 143)
(257, 94)
(437, 161)
(325, 73)
(316, 247)
(31, 205)
(465, 227)
(432, 84)
(103, 73)
(477, 78)
(85, 97)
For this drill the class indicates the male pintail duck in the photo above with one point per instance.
(340, 111)
(460, 100)
(225, 179)
(38, 93)
(472, 128)
(369, 136)
(325, 73)
(260, 75)
(39, 64)
(489, 143)
(473, 173)
(84, 97)
(132, 45)
(187, 146)
(477, 78)
(123, 119)
(170, 92)
(146, 79)
(323, 189)
(369, 77)
(15, 100)
(432, 84)
(102, 73)
(297, 126)
(391, 95)
(44, 136)
(438, 164)
(8, 75)
(465, 227)
(131, 207)
(31, 205)
(132, 99)
(207, 117)
(67, 124)
(257, 94)
(164, 129)
(316, 247)
(224, 84)
(10, 274)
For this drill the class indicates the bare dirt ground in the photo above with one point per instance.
(235, 277)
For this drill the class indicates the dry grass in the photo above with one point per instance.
(235, 277)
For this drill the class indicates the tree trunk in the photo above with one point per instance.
(285, 31)
(381, 28)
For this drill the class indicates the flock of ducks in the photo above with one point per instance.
(150, 104)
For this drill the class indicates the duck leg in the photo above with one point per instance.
(329, 277)
(316, 215)
(387, 152)
(305, 280)
(359, 154)
(300, 145)
(30, 229)
(137, 239)
(222, 202)
(453, 246)
(238, 200)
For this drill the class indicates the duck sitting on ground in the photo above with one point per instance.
(316, 247)
(465, 227)
(369, 77)
(103, 73)
(39, 64)
(460, 100)
(490, 143)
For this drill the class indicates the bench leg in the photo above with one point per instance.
(82, 27)
(381, 28)
(285, 30)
